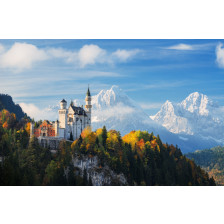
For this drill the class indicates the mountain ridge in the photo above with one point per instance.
(6, 102)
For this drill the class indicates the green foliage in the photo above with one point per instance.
(212, 161)
(143, 159)
(25, 162)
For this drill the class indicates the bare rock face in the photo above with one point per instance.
(100, 176)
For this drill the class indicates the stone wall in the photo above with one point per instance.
(51, 142)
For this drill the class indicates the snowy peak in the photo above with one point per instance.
(195, 115)
(197, 103)
(168, 106)
(111, 97)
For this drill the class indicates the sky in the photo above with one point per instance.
(39, 73)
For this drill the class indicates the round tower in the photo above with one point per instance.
(63, 113)
(63, 104)
(88, 106)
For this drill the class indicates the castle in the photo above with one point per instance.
(71, 123)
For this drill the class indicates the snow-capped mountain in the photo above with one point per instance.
(197, 115)
(114, 109)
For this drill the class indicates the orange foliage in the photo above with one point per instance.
(141, 144)
(28, 128)
(5, 125)
(86, 132)
(153, 143)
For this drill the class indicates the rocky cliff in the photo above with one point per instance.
(100, 176)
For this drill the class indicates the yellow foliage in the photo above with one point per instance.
(74, 144)
(99, 131)
(87, 131)
(131, 138)
(153, 143)
(92, 138)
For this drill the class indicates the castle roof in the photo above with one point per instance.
(88, 92)
(63, 101)
(78, 110)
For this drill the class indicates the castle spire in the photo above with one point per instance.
(88, 92)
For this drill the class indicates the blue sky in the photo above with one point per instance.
(38, 73)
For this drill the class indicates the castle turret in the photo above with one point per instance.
(63, 104)
(88, 107)
(56, 128)
(63, 112)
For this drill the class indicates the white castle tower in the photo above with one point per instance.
(63, 113)
(88, 107)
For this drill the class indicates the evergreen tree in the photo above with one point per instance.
(71, 137)
(104, 136)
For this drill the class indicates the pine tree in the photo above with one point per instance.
(71, 137)
(104, 136)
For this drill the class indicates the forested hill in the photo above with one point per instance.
(141, 157)
(7, 103)
(138, 158)
(212, 161)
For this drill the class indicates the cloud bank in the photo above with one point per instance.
(22, 56)
(38, 114)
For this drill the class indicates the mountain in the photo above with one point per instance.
(212, 161)
(7, 103)
(114, 109)
(197, 115)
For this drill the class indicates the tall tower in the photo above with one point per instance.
(88, 107)
(63, 112)
(56, 128)
(31, 129)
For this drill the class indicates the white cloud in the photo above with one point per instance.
(1, 48)
(70, 56)
(181, 47)
(124, 55)
(220, 55)
(119, 111)
(21, 56)
(90, 54)
(148, 106)
(38, 114)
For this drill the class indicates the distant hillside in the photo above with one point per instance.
(212, 161)
(7, 103)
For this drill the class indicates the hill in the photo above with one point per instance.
(212, 161)
(7, 103)
(97, 158)
(141, 157)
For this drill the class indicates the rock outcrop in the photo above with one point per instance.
(100, 176)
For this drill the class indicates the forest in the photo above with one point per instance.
(140, 156)
(212, 161)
